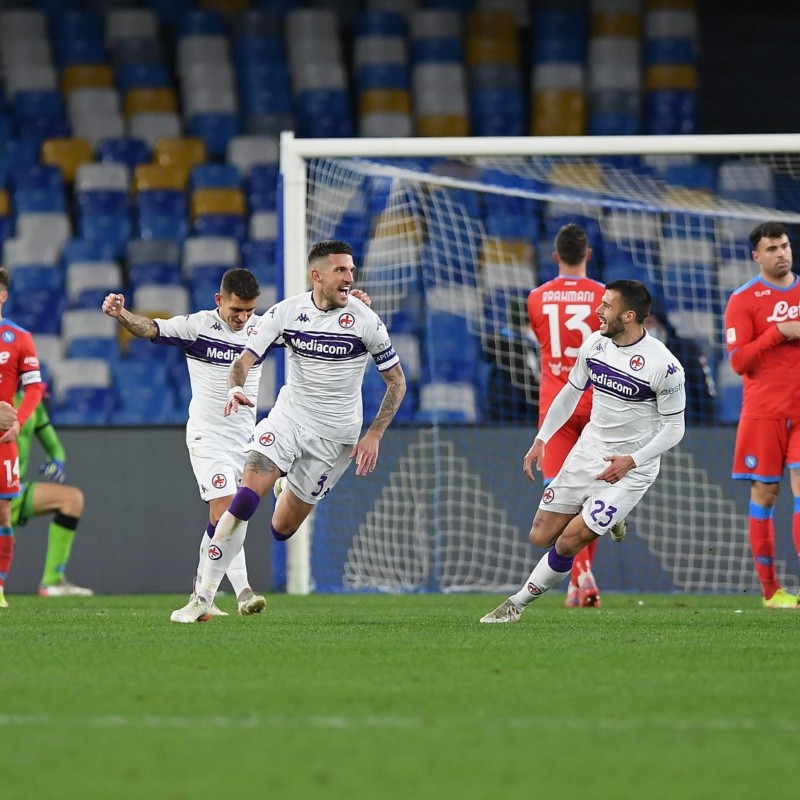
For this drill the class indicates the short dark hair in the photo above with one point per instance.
(571, 243)
(329, 247)
(5, 279)
(241, 282)
(635, 297)
(767, 230)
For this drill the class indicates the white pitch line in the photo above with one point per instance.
(355, 722)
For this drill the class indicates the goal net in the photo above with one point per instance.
(449, 237)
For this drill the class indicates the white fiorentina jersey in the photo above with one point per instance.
(211, 345)
(327, 356)
(634, 387)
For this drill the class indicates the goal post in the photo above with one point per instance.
(449, 236)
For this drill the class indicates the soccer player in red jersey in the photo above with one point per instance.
(562, 314)
(19, 366)
(762, 331)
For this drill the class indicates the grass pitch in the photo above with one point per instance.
(399, 697)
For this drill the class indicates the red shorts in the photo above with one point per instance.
(557, 449)
(764, 448)
(9, 470)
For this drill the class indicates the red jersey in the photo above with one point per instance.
(19, 364)
(562, 314)
(768, 362)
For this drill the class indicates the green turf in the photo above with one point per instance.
(399, 697)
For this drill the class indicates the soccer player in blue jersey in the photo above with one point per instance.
(312, 433)
(637, 414)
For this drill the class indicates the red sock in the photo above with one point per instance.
(762, 544)
(583, 561)
(6, 556)
(796, 526)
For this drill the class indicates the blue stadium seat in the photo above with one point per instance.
(324, 113)
(125, 150)
(162, 214)
(250, 50)
(216, 130)
(37, 177)
(169, 11)
(259, 257)
(198, 21)
(263, 187)
(497, 112)
(94, 347)
(231, 225)
(215, 176)
(670, 112)
(144, 392)
(451, 350)
(77, 36)
(17, 153)
(132, 75)
(103, 217)
(85, 405)
(39, 201)
(79, 249)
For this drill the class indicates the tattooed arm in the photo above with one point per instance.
(143, 327)
(366, 450)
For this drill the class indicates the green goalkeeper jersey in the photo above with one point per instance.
(38, 424)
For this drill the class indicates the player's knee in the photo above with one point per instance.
(765, 494)
(541, 535)
(73, 502)
(280, 535)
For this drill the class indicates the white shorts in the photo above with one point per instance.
(602, 504)
(218, 472)
(312, 465)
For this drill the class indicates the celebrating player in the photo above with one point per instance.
(637, 414)
(311, 434)
(19, 365)
(562, 316)
(211, 340)
(762, 331)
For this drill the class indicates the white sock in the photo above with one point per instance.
(228, 542)
(541, 580)
(237, 573)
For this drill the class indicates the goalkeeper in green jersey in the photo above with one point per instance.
(47, 496)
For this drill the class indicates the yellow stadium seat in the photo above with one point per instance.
(558, 112)
(490, 50)
(491, 24)
(181, 152)
(156, 176)
(218, 201)
(383, 100)
(67, 155)
(83, 76)
(147, 100)
(671, 76)
(5, 204)
(616, 23)
(581, 175)
(442, 125)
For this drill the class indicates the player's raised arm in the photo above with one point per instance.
(139, 326)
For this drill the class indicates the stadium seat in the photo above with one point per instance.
(180, 153)
(83, 392)
(124, 150)
(83, 76)
(89, 333)
(447, 403)
(154, 177)
(88, 282)
(67, 155)
(162, 214)
(102, 177)
(103, 215)
(142, 75)
(152, 126)
(148, 100)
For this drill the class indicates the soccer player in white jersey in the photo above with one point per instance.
(637, 414)
(211, 340)
(312, 433)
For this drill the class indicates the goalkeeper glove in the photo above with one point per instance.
(54, 471)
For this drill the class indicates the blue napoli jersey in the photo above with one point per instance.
(635, 386)
(328, 352)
